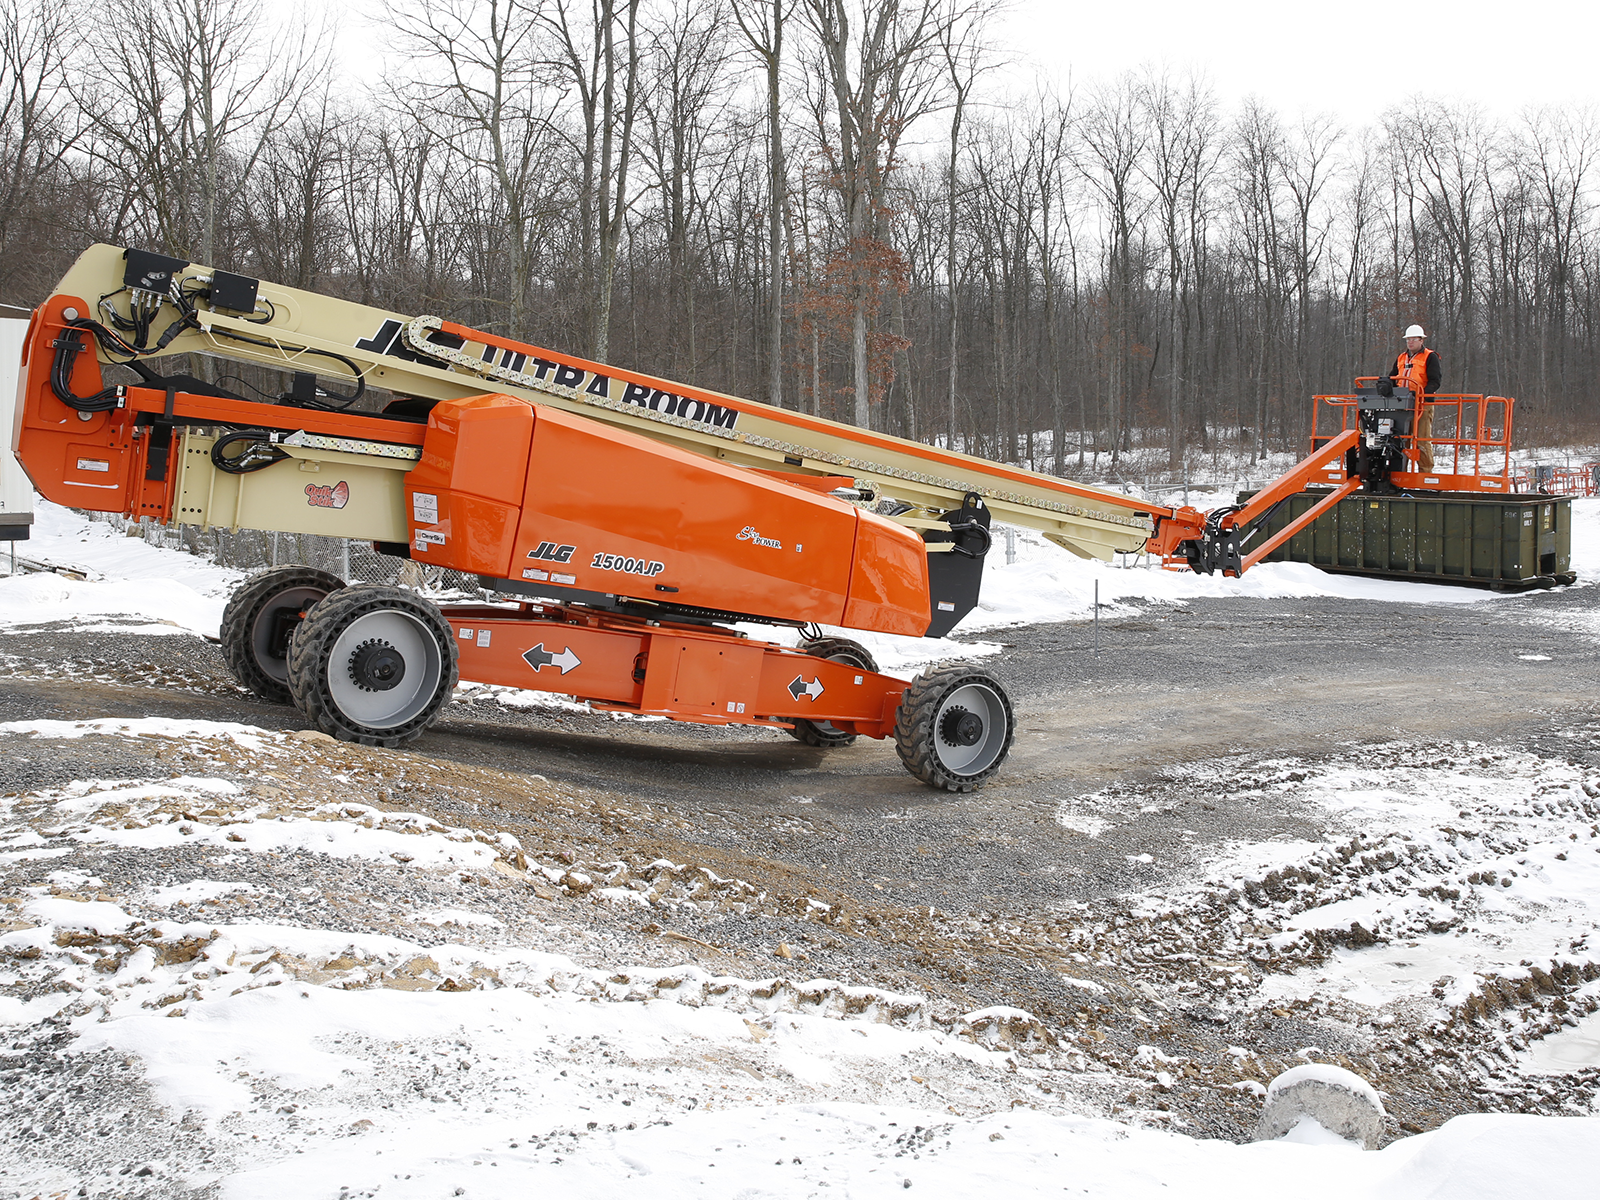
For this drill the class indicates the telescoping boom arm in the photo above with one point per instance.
(352, 346)
(337, 349)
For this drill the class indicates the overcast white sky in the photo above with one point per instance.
(1353, 58)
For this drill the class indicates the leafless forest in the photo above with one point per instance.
(825, 204)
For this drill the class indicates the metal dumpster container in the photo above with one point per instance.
(1500, 542)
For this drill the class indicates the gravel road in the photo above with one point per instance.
(1186, 684)
(973, 899)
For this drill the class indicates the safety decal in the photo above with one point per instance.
(424, 508)
(799, 687)
(538, 657)
(336, 496)
(749, 534)
(551, 552)
(628, 566)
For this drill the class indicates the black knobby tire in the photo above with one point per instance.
(928, 732)
(254, 624)
(837, 649)
(373, 664)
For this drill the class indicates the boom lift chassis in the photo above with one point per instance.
(634, 520)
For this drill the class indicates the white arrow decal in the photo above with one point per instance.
(799, 687)
(539, 657)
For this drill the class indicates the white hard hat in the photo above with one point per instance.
(1415, 331)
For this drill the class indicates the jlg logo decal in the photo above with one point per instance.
(336, 496)
(551, 552)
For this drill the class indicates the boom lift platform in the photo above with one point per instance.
(636, 518)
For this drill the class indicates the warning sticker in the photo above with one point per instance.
(424, 508)
(93, 464)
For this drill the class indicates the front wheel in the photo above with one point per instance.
(372, 664)
(954, 728)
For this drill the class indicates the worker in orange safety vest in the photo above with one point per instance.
(1417, 368)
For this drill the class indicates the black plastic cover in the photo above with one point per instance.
(954, 578)
(150, 272)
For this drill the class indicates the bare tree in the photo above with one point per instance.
(1111, 143)
(763, 23)
(605, 82)
(185, 98)
(684, 82)
(1307, 165)
(1258, 171)
(961, 33)
(1564, 146)
(875, 63)
(37, 124)
(1446, 152)
(1183, 150)
(482, 89)
(293, 215)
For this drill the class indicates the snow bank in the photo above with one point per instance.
(131, 586)
(870, 1151)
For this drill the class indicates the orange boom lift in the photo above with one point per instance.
(633, 519)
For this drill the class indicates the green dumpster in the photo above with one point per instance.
(1508, 541)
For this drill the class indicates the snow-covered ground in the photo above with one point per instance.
(324, 1063)
(458, 1054)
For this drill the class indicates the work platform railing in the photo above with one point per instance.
(1561, 481)
(1470, 439)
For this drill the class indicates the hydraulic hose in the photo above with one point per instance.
(68, 346)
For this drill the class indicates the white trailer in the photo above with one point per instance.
(16, 493)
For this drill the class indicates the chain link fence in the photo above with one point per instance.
(254, 550)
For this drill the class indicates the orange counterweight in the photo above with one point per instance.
(553, 504)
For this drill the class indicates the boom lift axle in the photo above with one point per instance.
(634, 519)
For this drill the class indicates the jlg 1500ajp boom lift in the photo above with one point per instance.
(638, 517)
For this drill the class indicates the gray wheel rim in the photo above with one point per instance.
(985, 702)
(408, 699)
(261, 631)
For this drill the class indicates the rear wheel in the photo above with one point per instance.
(841, 650)
(259, 621)
(373, 664)
(954, 728)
